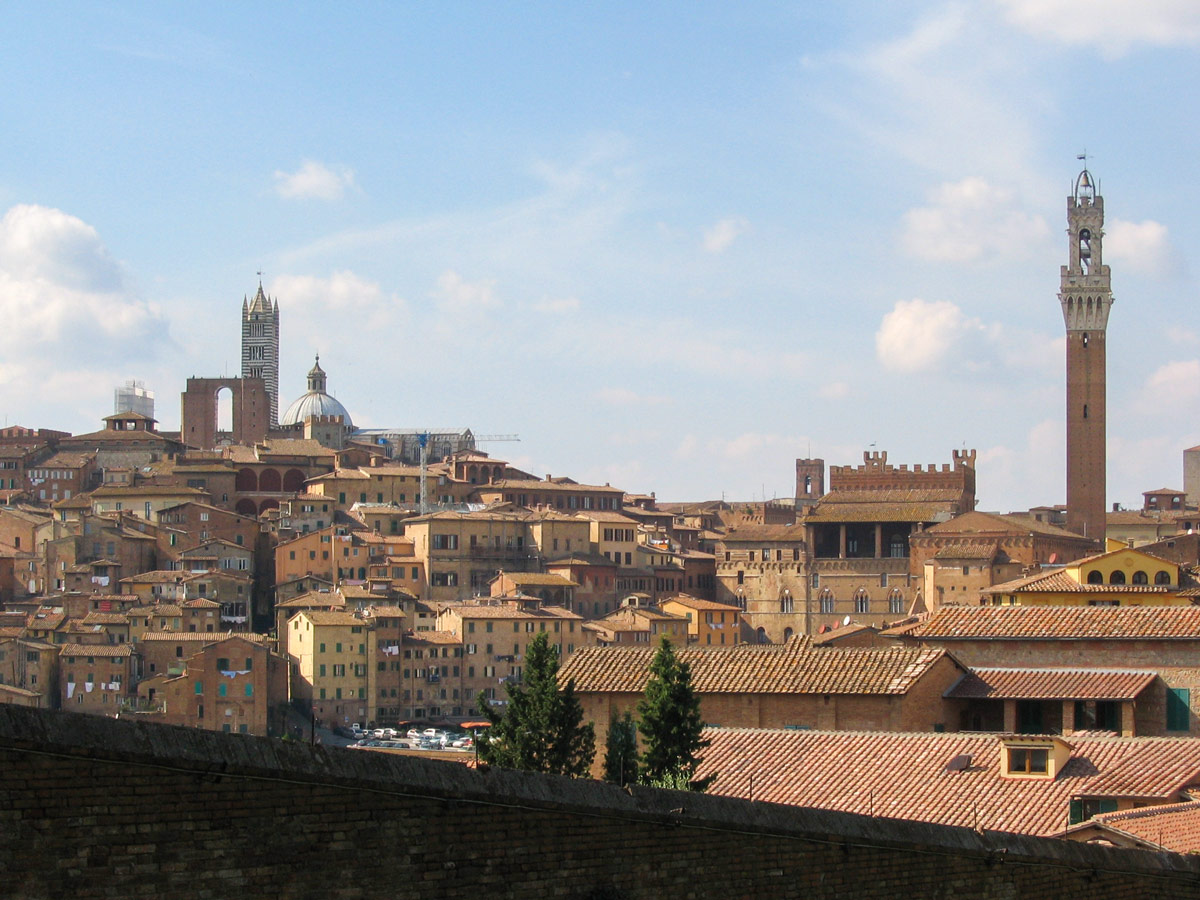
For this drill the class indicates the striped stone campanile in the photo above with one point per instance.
(260, 345)
(1086, 297)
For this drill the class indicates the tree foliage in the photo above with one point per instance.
(670, 724)
(542, 729)
(620, 751)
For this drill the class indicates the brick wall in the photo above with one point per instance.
(92, 807)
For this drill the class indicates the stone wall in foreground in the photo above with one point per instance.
(91, 807)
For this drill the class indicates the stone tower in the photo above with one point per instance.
(260, 346)
(1086, 298)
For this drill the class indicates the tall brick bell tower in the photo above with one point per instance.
(1086, 298)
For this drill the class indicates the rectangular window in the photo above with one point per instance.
(1028, 761)
(199, 687)
(1179, 712)
(249, 689)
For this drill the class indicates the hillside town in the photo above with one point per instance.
(875, 644)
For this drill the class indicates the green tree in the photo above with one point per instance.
(542, 728)
(670, 724)
(620, 751)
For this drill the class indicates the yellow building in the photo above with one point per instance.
(330, 665)
(1121, 577)
(709, 623)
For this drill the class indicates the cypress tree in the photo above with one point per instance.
(620, 751)
(670, 724)
(542, 729)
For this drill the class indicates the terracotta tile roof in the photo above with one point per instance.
(105, 618)
(206, 637)
(11, 631)
(908, 776)
(510, 611)
(977, 522)
(765, 534)
(1059, 581)
(159, 609)
(331, 617)
(200, 603)
(158, 576)
(843, 631)
(791, 668)
(932, 505)
(1056, 623)
(110, 650)
(697, 603)
(543, 579)
(312, 600)
(433, 637)
(1052, 684)
(1174, 827)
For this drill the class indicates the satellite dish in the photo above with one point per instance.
(846, 621)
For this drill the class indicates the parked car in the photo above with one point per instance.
(343, 731)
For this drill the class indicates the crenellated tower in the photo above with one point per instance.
(260, 346)
(1086, 297)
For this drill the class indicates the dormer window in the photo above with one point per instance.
(1028, 761)
(1024, 756)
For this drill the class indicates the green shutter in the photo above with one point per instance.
(1076, 811)
(1179, 713)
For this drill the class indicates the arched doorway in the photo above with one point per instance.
(293, 481)
(246, 481)
(269, 480)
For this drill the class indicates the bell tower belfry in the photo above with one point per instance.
(260, 346)
(1086, 297)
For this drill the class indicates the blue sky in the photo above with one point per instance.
(673, 246)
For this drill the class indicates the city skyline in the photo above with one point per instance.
(672, 255)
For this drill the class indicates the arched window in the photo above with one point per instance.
(741, 599)
(269, 480)
(1095, 577)
(268, 504)
(293, 481)
(1139, 577)
(895, 602)
(786, 605)
(826, 601)
(862, 603)
(761, 636)
(1117, 577)
(1162, 577)
(246, 507)
(787, 634)
(896, 546)
(246, 481)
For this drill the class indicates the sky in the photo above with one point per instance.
(673, 247)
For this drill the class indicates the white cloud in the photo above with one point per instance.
(1143, 247)
(455, 295)
(60, 286)
(969, 220)
(1172, 384)
(950, 89)
(309, 302)
(918, 335)
(314, 180)
(1114, 26)
(720, 236)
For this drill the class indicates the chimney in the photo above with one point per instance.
(547, 476)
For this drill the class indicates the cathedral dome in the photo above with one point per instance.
(315, 402)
